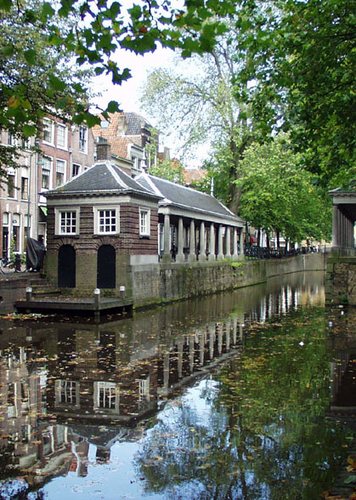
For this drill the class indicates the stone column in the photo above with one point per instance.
(235, 251)
(212, 242)
(166, 371)
(234, 331)
(201, 348)
(166, 238)
(192, 254)
(180, 253)
(220, 242)
(180, 358)
(202, 244)
(211, 340)
(228, 242)
(191, 354)
(241, 242)
(228, 335)
(220, 334)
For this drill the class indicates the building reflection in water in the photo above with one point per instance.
(67, 386)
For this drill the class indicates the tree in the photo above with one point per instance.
(204, 110)
(35, 80)
(300, 60)
(38, 39)
(172, 170)
(278, 194)
(91, 33)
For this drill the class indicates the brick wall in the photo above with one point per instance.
(86, 245)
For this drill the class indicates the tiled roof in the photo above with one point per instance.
(185, 197)
(193, 175)
(122, 130)
(99, 179)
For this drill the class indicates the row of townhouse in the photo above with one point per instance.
(65, 151)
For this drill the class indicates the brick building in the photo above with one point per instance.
(104, 223)
(128, 134)
(63, 151)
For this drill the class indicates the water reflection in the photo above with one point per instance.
(70, 392)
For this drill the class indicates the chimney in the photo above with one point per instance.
(103, 150)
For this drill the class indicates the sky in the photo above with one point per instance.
(128, 93)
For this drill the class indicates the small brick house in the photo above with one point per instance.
(99, 224)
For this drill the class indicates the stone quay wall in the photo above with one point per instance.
(159, 283)
(340, 282)
(154, 284)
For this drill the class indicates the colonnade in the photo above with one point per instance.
(189, 354)
(201, 241)
(343, 229)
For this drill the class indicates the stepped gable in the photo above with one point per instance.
(101, 178)
(185, 197)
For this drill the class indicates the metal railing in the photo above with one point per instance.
(255, 252)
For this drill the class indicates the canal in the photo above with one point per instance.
(242, 395)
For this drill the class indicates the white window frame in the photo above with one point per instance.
(83, 142)
(109, 390)
(64, 163)
(60, 126)
(49, 170)
(59, 213)
(50, 124)
(145, 221)
(144, 389)
(70, 390)
(12, 183)
(98, 218)
(79, 169)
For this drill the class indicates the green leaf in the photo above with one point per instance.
(47, 11)
(5, 5)
(30, 56)
(56, 83)
(29, 130)
(112, 107)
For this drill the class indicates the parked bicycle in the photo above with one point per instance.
(11, 265)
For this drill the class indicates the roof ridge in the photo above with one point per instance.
(116, 176)
(151, 184)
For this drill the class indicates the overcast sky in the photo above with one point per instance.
(128, 93)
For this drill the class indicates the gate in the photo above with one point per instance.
(66, 267)
(106, 274)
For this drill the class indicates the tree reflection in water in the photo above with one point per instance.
(257, 427)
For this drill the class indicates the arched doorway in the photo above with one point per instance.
(106, 266)
(66, 267)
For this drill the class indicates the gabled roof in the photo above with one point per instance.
(181, 197)
(102, 178)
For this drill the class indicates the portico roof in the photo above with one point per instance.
(345, 201)
(177, 199)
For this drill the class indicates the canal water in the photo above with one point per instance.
(242, 395)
